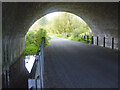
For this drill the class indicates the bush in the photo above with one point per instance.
(33, 40)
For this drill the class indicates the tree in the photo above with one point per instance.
(33, 39)
(66, 23)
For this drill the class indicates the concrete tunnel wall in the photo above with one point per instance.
(18, 17)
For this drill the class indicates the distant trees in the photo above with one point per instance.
(66, 23)
(69, 26)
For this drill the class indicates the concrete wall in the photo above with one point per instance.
(108, 41)
(19, 74)
(12, 50)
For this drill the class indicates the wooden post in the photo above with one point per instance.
(104, 42)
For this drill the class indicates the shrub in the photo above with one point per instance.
(33, 40)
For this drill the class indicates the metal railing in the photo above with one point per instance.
(36, 81)
(88, 39)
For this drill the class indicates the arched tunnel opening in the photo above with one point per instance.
(59, 24)
(97, 66)
(55, 24)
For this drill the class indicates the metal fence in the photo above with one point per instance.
(36, 80)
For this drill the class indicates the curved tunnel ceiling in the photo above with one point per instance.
(101, 17)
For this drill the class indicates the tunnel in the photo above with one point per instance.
(102, 18)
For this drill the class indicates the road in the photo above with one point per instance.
(70, 64)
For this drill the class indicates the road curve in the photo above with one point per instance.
(70, 64)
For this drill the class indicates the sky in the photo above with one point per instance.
(52, 15)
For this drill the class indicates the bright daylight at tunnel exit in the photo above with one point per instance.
(58, 24)
(55, 24)
(62, 45)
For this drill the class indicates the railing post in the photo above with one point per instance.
(92, 40)
(84, 37)
(42, 60)
(97, 40)
(104, 42)
(88, 39)
(112, 43)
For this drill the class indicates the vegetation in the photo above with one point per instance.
(33, 40)
(69, 26)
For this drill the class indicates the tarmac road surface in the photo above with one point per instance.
(70, 64)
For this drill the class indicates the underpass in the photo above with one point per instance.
(97, 61)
